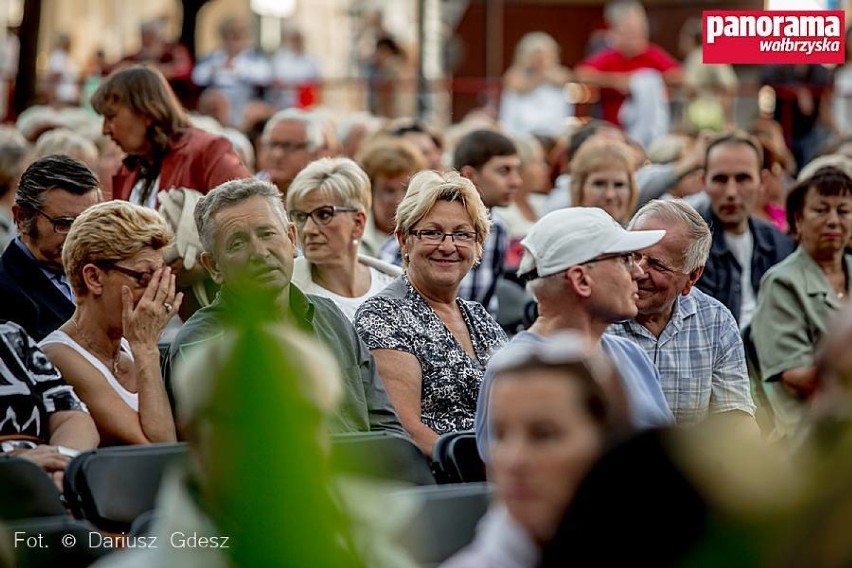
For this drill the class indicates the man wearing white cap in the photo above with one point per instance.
(692, 338)
(579, 266)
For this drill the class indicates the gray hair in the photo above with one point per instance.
(546, 286)
(313, 126)
(229, 194)
(345, 127)
(66, 142)
(678, 211)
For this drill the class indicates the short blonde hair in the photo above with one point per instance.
(390, 157)
(532, 42)
(111, 231)
(428, 187)
(335, 178)
(598, 154)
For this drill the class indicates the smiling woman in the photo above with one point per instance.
(107, 351)
(430, 346)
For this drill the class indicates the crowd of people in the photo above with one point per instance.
(587, 300)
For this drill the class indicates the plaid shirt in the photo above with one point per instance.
(480, 284)
(700, 357)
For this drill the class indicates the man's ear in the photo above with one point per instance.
(579, 280)
(693, 278)
(470, 173)
(210, 264)
(291, 233)
(20, 218)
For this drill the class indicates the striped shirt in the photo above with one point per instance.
(700, 357)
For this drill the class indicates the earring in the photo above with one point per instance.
(355, 242)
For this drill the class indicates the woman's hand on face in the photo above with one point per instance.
(145, 322)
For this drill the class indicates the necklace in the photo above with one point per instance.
(94, 351)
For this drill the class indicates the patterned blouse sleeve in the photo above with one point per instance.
(383, 324)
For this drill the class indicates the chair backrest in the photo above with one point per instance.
(27, 490)
(111, 487)
(56, 541)
(380, 455)
(455, 458)
(446, 520)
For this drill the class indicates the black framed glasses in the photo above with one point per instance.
(141, 278)
(60, 224)
(436, 237)
(321, 215)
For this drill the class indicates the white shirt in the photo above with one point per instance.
(742, 247)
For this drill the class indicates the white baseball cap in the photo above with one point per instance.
(568, 237)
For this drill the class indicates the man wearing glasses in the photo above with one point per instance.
(578, 264)
(692, 338)
(52, 192)
(291, 140)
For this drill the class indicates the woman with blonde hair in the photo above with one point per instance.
(125, 295)
(534, 100)
(328, 202)
(602, 176)
(430, 346)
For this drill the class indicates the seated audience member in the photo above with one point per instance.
(578, 265)
(389, 163)
(328, 203)
(563, 387)
(771, 203)
(249, 249)
(125, 296)
(52, 192)
(527, 202)
(242, 442)
(692, 338)
(355, 129)
(14, 153)
(43, 417)
(602, 176)
(743, 247)
(291, 139)
(801, 293)
(430, 345)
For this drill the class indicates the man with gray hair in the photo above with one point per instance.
(249, 249)
(692, 338)
(291, 140)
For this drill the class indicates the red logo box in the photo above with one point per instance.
(767, 37)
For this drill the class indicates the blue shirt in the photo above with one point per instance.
(641, 381)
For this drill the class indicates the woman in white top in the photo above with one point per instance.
(125, 296)
(328, 202)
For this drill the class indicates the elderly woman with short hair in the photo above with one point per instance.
(125, 295)
(431, 347)
(328, 202)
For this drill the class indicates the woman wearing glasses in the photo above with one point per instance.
(125, 296)
(431, 346)
(328, 202)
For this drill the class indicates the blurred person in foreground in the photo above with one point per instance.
(328, 202)
(249, 249)
(125, 296)
(52, 192)
(564, 387)
(431, 346)
(800, 294)
(254, 404)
